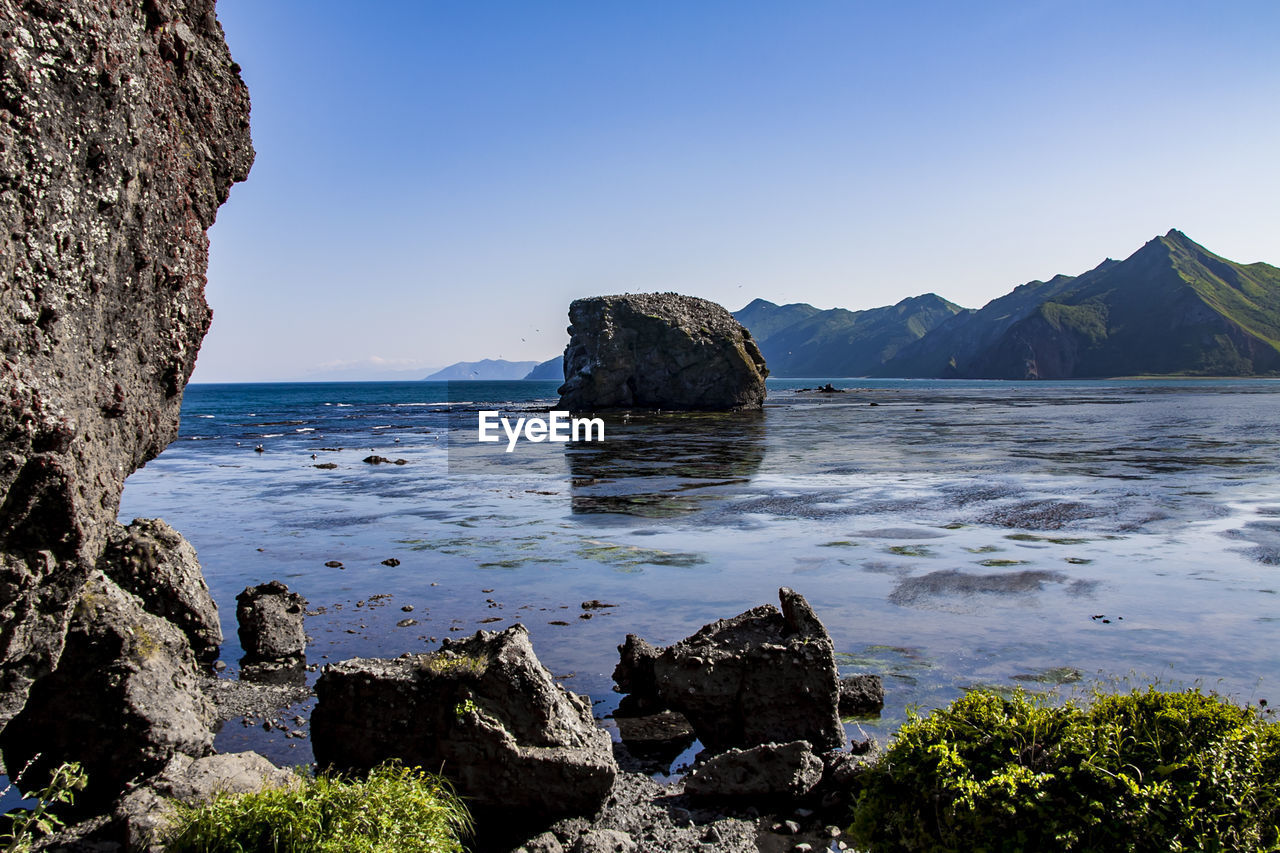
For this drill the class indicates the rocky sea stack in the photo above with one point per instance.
(659, 351)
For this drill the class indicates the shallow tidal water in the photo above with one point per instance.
(950, 534)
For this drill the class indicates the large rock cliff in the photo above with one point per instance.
(123, 124)
(659, 351)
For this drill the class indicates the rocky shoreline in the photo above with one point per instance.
(537, 770)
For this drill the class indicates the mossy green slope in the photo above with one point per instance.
(802, 341)
(1171, 308)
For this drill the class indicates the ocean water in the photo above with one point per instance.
(950, 534)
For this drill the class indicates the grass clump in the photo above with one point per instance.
(1144, 771)
(396, 809)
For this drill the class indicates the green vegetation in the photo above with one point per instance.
(452, 664)
(1143, 771)
(395, 810)
(20, 828)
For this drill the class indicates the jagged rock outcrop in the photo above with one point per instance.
(764, 676)
(156, 563)
(484, 711)
(122, 128)
(659, 351)
(124, 699)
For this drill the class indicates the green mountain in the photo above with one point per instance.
(800, 340)
(1173, 307)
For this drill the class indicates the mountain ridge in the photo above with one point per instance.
(1172, 307)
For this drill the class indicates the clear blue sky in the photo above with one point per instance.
(437, 180)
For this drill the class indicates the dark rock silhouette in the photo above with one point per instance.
(124, 699)
(659, 351)
(763, 676)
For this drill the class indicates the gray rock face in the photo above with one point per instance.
(122, 128)
(768, 772)
(154, 562)
(270, 618)
(763, 676)
(124, 699)
(484, 711)
(659, 351)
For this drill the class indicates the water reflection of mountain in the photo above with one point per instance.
(665, 464)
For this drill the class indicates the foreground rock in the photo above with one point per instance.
(484, 711)
(770, 773)
(272, 633)
(123, 701)
(659, 351)
(156, 563)
(124, 126)
(764, 676)
(861, 694)
(144, 813)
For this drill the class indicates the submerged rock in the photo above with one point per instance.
(659, 351)
(484, 711)
(763, 676)
(769, 772)
(861, 694)
(156, 563)
(125, 126)
(270, 618)
(124, 699)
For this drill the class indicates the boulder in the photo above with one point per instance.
(144, 812)
(154, 562)
(861, 694)
(769, 772)
(123, 701)
(764, 676)
(484, 711)
(125, 125)
(270, 618)
(659, 351)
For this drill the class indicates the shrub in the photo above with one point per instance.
(394, 809)
(1142, 771)
(20, 827)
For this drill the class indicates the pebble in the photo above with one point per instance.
(391, 561)
(333, 564)
(408, 608)
(406, 623)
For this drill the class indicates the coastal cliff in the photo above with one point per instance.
(122, 128)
